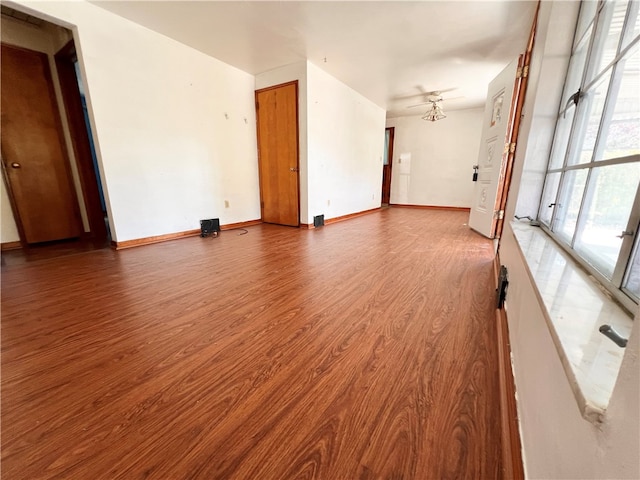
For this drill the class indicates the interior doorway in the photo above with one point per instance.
(277, 127)
(35, 162)
(387, 165)
(53, 185)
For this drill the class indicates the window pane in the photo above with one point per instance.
(549, 197)
(588, 10)
(621, 133)
(607, 206)
(576, 69)
(589, 114)
(608, 32)
(387, 135)
(561, 139)
(568, 206)
(633, 24)
(632, 279)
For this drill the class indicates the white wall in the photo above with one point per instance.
(345, 147)
(557, 441)
(432, 161)
(341, 143)
(175, 128)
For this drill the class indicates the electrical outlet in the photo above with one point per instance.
(328, 203)
(226, 204)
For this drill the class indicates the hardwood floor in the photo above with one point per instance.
(361, 350)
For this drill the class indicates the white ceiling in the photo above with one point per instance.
(389, 51)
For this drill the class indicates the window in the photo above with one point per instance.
(591, 200)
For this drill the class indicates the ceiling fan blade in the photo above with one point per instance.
(418, 104)
(445, 99)
(440, 92)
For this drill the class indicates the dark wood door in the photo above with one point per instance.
(277, 117)
(34, 157)
(388, 162)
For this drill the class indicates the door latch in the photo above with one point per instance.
(475, 173)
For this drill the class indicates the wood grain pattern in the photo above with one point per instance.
(365, 350)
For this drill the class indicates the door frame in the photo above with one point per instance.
(386, 186)
(274, 87)
(64, 60)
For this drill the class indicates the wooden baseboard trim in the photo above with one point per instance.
(138, 242)
(342, 218)
(430, 207)
(6, 246)
(512, 466)
(233, 226)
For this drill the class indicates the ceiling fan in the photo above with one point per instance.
(435, 96)
(434, 100)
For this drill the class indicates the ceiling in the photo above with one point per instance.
(392, 52)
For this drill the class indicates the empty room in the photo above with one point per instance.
(322, 240)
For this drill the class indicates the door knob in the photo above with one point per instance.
(293, 169)
(15, 165)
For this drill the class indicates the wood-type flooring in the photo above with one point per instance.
(365, 349)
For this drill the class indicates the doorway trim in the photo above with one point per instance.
(64, 60)
(386, 182)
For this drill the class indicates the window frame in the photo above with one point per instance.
(579, 121)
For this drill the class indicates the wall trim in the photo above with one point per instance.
(430, 207)
(512, 466)
(10, 246)
(329, 221)
(138, 242)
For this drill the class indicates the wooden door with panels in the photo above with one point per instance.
(34, 157)
(277, 127)
(495, 147)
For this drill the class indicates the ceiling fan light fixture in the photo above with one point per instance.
(435, 113)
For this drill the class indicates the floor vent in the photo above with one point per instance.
(318, 221)
(210, 226)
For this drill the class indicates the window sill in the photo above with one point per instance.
(575, 306)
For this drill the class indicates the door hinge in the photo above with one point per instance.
(499, 214)
(522, 72)
(512, 147)
(257, 105)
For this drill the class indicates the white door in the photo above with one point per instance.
(494, 150)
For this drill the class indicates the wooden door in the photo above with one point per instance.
(33, 153)
(277, 117)
(496, 142)
(387, 165)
